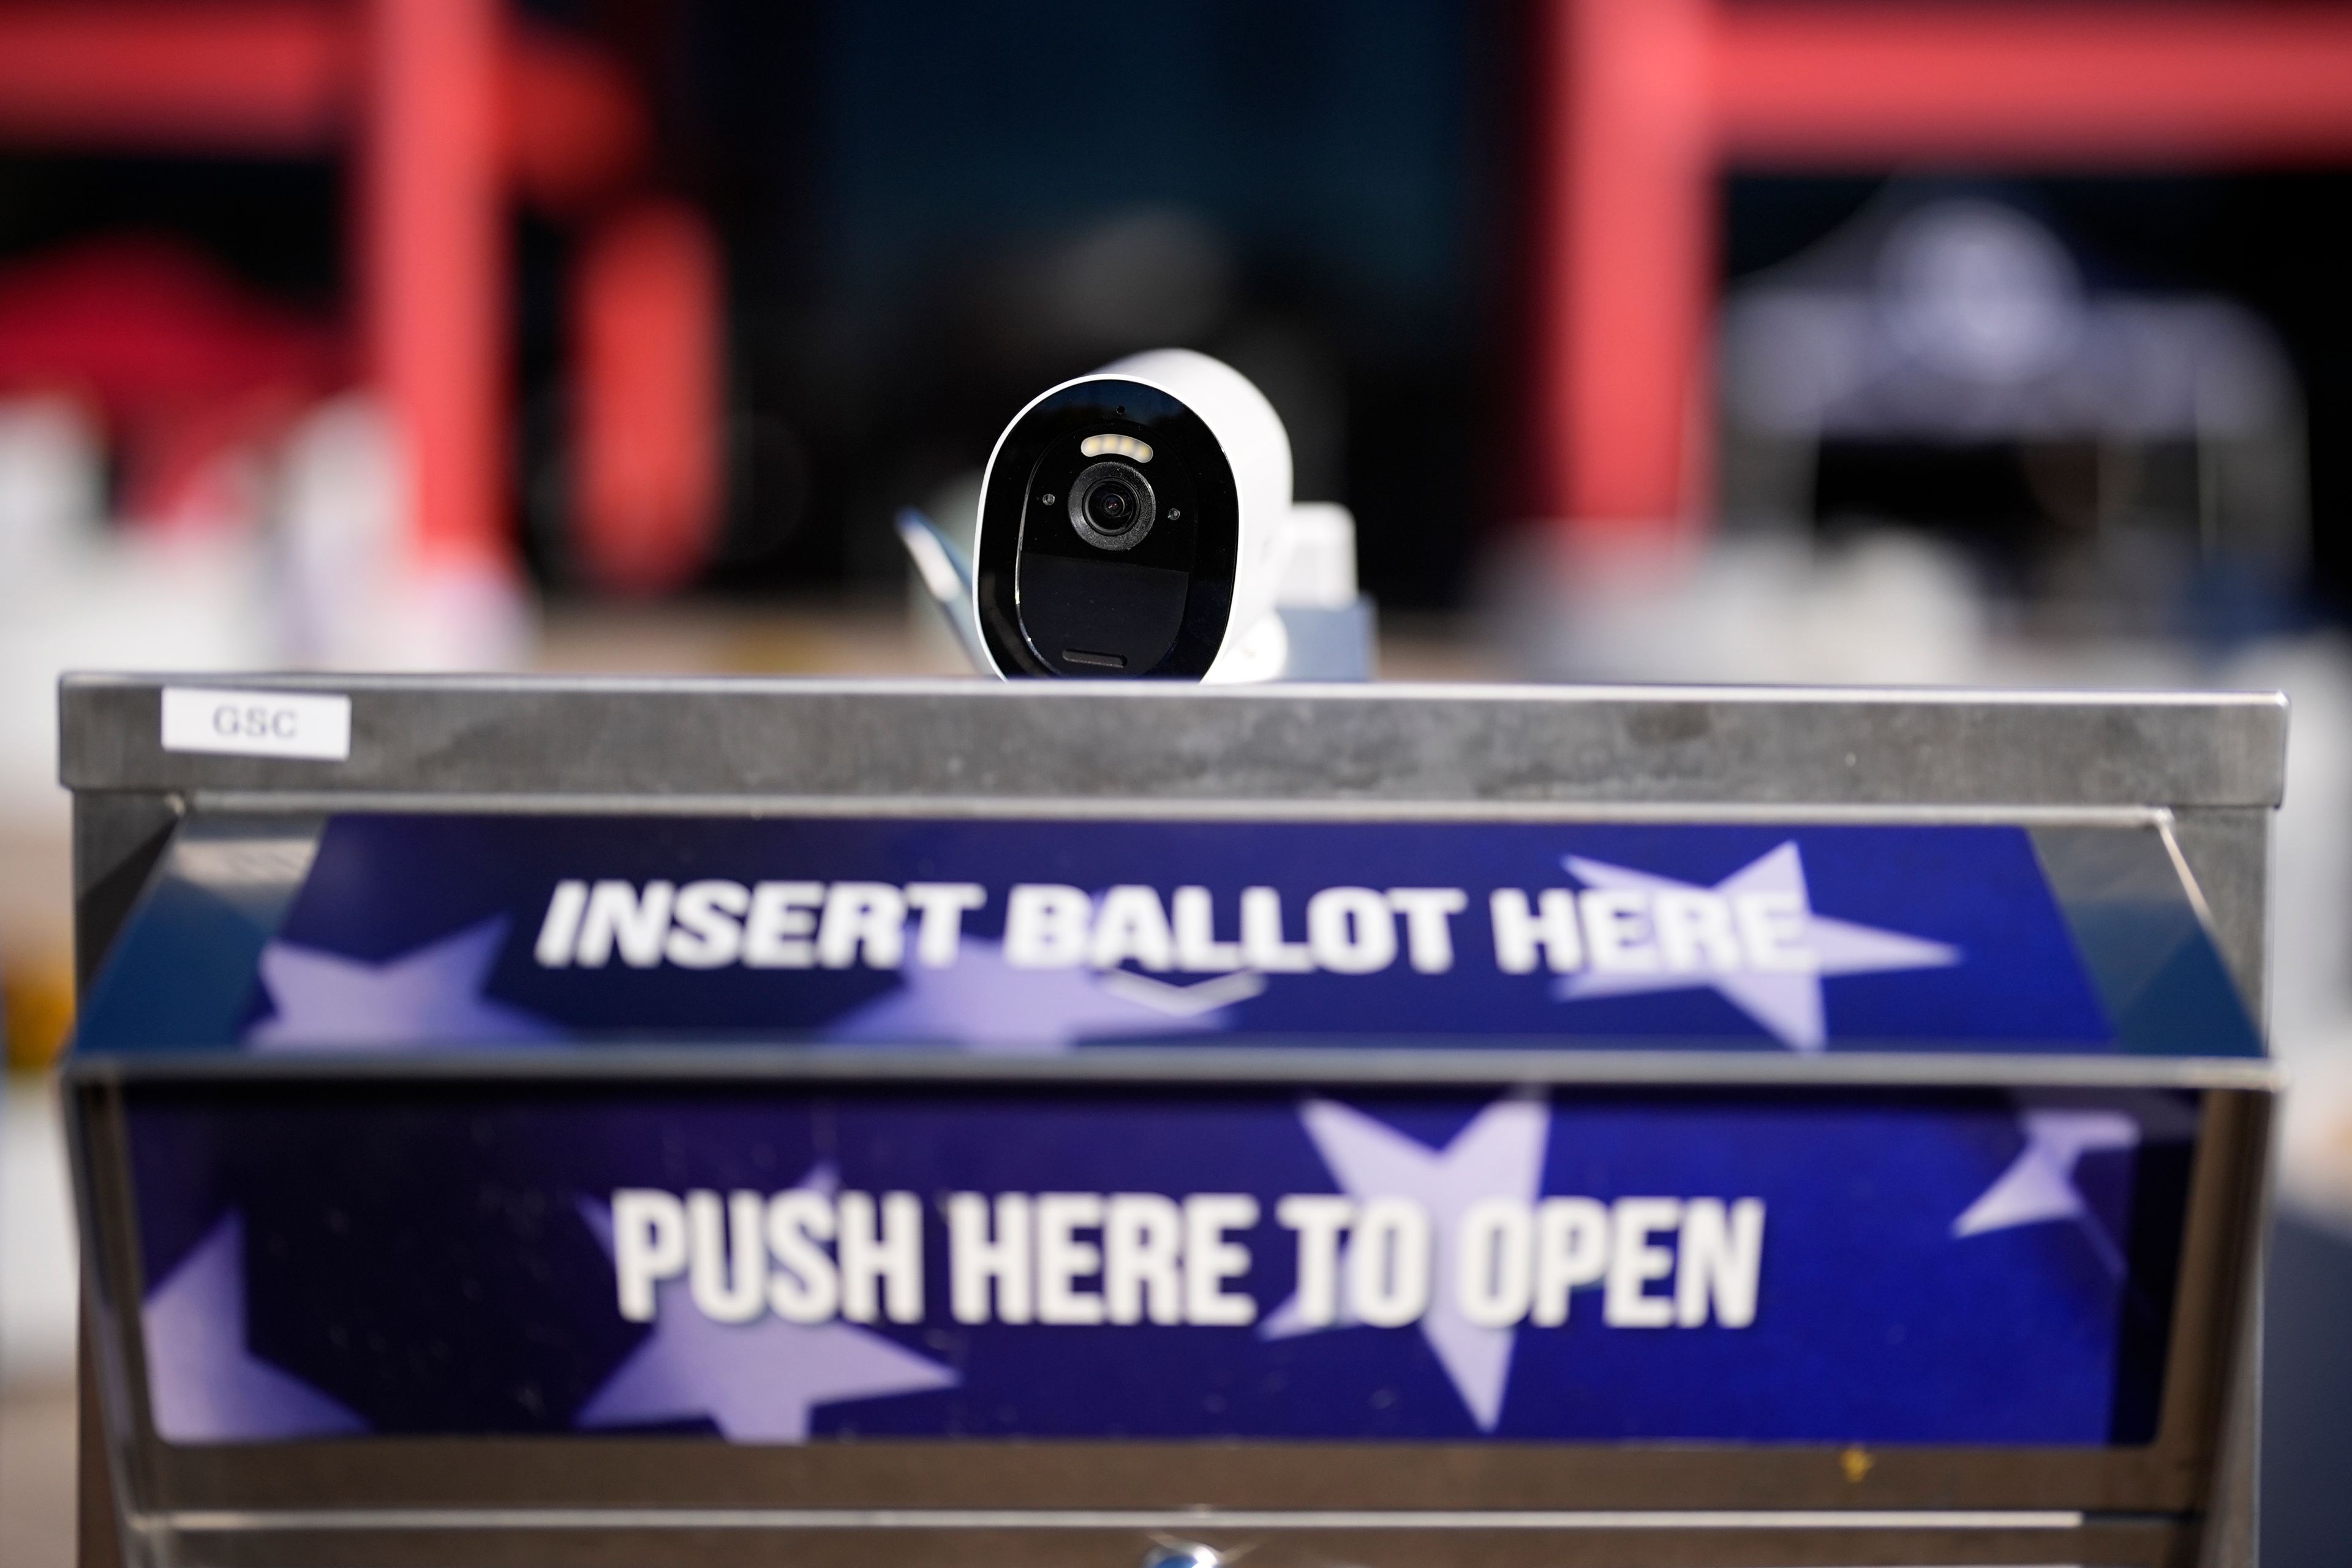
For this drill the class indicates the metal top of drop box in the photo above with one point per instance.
(1401, 744)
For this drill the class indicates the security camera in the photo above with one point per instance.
(1131, 524)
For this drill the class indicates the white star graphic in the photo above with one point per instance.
(2039, 1184)
(1787, 1003)
(203, 1384)
(756, 1382)
(1499, 1154)
(988, 1006)
(430, 995)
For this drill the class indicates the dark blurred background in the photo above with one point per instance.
(927, 213)
(932, 213)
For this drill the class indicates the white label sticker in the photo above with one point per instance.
(257, 723)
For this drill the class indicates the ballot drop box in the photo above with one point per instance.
(762, 1122)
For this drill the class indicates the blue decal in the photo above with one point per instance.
(992, 936)
(767, 1264)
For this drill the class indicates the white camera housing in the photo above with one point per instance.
(1131, 525)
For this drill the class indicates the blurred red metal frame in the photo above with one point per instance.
(451, 109)
(1647, 101)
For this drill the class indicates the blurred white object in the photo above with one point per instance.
(336, 588)
(52, 484)
(455, 616)
(1330, 627)
(2311, 917)
(351, 595)
(73, 596)
(1319, 570)
(340, 506)
(1884, 609)
(39, 1280)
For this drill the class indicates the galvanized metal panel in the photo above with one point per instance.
(1044, 741)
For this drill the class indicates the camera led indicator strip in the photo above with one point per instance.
(1115, 447)
(303, 725)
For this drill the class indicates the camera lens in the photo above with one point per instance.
(1112, 506)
